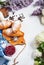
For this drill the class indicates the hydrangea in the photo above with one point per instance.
(40, 37)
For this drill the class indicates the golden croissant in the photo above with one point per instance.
(19, 41)
(12, 34)
(5, 24)
(11, 30)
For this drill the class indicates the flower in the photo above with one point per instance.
(40, 37)
(37, 53)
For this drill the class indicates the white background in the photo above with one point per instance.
(31, 26)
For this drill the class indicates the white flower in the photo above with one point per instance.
(37, 53)
(35, 44)
(40, 37)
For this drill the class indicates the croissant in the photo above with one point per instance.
(19, 41)
(9, 32)
(4, 11)
(16, 26)
(5, 24)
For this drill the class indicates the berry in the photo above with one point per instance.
(9, 50)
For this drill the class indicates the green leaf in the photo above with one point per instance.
(42, 63)
(41, 47)
(37, 59)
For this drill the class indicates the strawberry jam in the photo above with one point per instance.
(9, 50)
